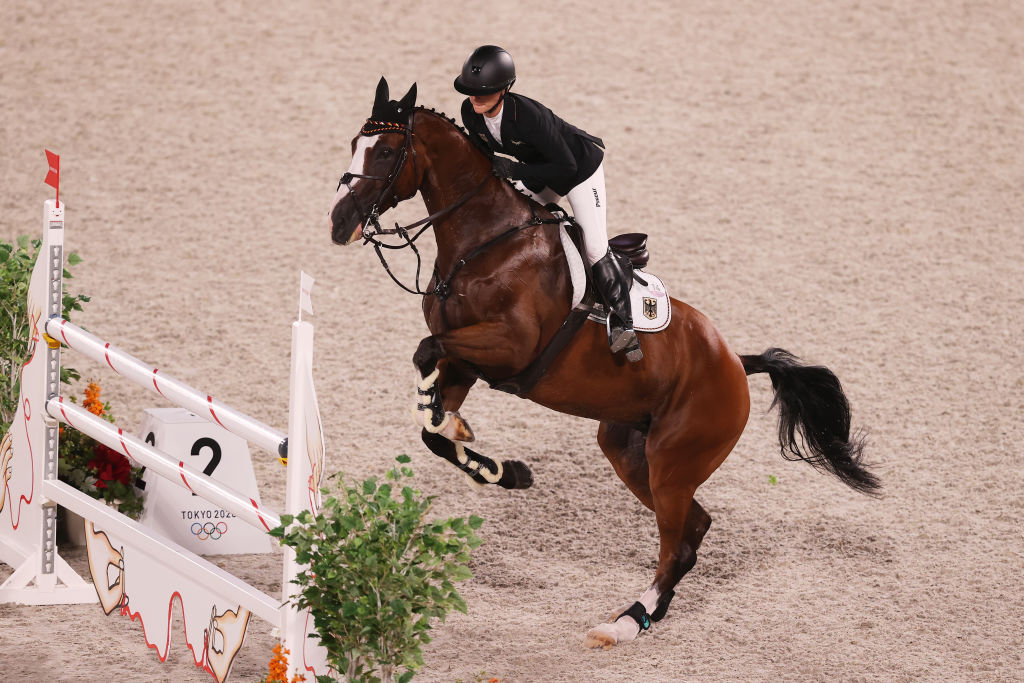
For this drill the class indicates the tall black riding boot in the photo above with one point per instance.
(612, 278)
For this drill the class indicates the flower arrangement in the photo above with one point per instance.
(16, 262)
(95, 469)
(278, 667)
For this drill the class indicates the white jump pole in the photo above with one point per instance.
(174, 390)
(141, 453)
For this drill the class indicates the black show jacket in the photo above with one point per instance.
(550, 152)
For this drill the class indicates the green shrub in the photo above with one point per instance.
(16, 262)
(83, 463)
(378, 572)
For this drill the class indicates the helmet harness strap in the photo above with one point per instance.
(502, 98)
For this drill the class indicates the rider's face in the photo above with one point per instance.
(483, 103)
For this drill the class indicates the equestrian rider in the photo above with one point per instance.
(553, 159)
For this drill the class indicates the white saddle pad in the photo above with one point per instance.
(652, 310)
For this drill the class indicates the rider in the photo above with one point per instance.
(553, 159)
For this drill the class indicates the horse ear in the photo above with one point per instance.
(409, 100)
(382, 92)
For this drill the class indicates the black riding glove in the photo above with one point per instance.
(502, 166)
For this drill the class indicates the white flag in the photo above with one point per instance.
(305, 287)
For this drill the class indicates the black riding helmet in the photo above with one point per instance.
(488, 70)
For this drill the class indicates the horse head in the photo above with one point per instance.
(380, 174)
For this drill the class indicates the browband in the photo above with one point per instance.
(372, 127)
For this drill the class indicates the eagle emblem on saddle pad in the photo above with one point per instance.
(650, 308)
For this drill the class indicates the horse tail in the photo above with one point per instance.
(814, 418)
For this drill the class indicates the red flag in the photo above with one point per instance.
(53, 177)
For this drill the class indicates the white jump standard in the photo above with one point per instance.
(135, 569)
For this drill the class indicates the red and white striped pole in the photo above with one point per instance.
(171, 469)
(173, 390)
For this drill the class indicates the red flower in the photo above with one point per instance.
(109, 466)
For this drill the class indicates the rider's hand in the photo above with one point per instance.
(502, 166)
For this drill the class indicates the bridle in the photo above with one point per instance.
(371, 219)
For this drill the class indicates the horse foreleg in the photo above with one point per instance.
(444, 385)
(510, 474)
(444, 381)
(439, 395)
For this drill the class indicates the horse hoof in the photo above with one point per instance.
(611, 634)
(599, 637)
(455, 428)
(515, 475)
(618, 613)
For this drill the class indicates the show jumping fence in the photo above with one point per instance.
(135, 569)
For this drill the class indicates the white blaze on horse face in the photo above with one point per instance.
(363, 146)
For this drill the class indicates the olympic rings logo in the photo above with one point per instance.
(209, 530)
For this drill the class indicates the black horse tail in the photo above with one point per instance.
(814, 418)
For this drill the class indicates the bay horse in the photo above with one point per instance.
(500, 292)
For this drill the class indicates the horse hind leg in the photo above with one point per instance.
(682, 523)
(626, 623)
(624, 446)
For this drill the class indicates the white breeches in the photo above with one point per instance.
(588, 202)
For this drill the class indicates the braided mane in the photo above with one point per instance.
(465, 134)
(449, 119)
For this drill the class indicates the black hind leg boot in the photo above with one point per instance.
(612, 278)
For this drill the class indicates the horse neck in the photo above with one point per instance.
(455, 168)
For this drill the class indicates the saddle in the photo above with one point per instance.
(648, 295)
(633, 246)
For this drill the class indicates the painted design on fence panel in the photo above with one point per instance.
(225, 634)
(6, 454)
(216, 631)
(315, 453)
(106, 565)
(17, 457)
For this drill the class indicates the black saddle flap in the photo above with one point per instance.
(632, 245)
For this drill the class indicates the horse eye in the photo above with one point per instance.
(385, 152)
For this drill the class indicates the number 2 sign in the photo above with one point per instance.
(190, 521)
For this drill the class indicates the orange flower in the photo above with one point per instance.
(92, 401)
(278, 666)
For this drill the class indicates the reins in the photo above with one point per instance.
(403, 232)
